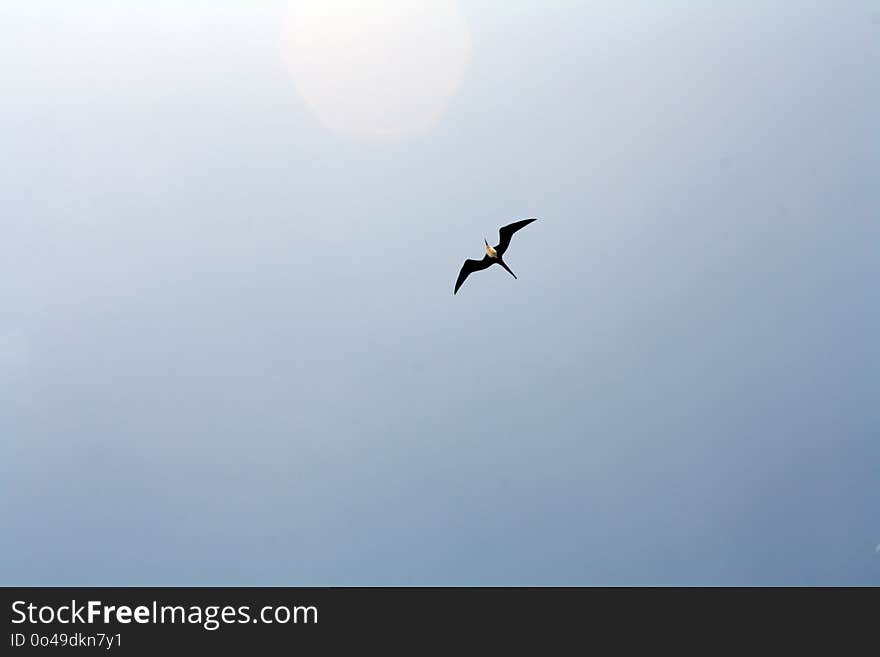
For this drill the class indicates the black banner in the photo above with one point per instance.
(155, 620)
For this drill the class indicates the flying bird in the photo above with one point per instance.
(493, 253)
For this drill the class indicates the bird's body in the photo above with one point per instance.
(494, 254)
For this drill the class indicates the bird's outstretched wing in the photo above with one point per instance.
(506, 232)
(469, 267)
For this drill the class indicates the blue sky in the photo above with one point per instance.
(229, 349)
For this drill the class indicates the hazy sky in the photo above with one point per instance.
(229, 349)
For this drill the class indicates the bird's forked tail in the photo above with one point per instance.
(504, 264)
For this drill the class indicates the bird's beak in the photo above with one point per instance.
(486, 241)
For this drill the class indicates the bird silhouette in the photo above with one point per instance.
(493, 253)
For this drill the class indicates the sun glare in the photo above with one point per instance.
(376, 68)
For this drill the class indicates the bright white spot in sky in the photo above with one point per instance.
(376, 68)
